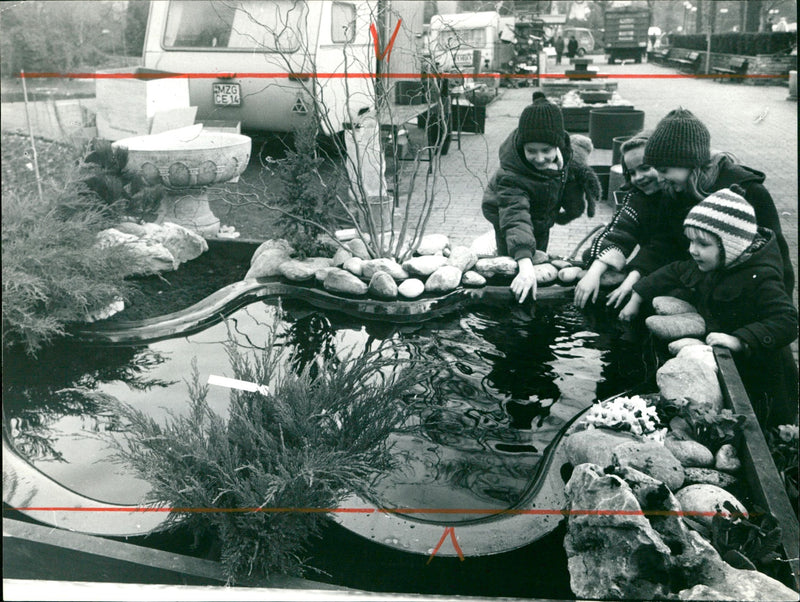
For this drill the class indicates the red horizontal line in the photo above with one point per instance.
(486, 511)
(147, 76)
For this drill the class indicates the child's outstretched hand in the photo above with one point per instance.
(525, 280)
(725, 340)
(631, 309)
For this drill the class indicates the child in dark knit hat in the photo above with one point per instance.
(735, 280)
(540, 183)
(680, 150)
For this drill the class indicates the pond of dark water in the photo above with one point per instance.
(508, 383)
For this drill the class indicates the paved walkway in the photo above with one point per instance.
(756, 123)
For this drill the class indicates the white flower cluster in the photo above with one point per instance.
(630, 414)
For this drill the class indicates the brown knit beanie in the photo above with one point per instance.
(679, 140)
(541, 122)
(729, 216)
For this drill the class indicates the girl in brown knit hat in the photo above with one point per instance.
(680, 149)
(540, 182)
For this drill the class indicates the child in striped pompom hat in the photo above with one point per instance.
(735, 280)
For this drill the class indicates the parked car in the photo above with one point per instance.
(584, 37)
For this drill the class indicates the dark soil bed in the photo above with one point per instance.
(224, 263)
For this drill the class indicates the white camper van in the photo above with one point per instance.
(260, 62)
(454, 38)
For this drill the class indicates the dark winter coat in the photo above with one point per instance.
(559, 45)
(749, 301)
(523, 203)
(572, 47)
(656, 223)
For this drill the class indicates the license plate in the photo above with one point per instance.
(227, 95)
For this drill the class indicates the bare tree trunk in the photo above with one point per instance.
(698, 23)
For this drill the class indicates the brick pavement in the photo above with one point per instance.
(756, 123)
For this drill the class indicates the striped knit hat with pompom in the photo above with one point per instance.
(729, 216)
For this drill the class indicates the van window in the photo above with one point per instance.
(343, 22)
(275, 26)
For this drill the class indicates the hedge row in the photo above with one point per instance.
(749, 44)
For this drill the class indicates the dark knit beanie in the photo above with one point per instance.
(541, 122)
(679, 140)
(729, 216)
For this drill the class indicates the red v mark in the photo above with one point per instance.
(452, 532)
(386, 51)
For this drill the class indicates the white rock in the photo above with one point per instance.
(462, 258)
(384, 264)
(496, 266)
(443, 280)
(706, 498)
(546, 273)
(473, 279)
(684, 378)
(267, 264)
(568, 275)
(341, 256)
(274, 244)
(343, 282)
(383, 286)
(298, 271)
(358, 248)
(184, 244)
(411, 288)
(109, 310)
(726, 459)
(703, 354)
(675, 346)
(150, 257)
(689, 453)
(670, 306)
(432, 244)
(424, 265)
(354, 265)
(322, 273)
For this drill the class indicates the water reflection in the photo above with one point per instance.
(501, 389)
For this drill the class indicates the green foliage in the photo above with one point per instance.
(747, 543)
(714, 429)
(309, 202)
(53, 274)
(313, 437)
(783, 444)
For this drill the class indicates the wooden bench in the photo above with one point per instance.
(736, 66)
(690, 63)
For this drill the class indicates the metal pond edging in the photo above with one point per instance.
(214, 308)
(757, 463)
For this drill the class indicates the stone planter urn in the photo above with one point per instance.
(186, 161)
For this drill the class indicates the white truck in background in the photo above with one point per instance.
(262, 63)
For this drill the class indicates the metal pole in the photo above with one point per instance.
(30, 133)
(708, 52)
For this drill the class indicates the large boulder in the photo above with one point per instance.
(705, 500)
(383, 286)
(615, 553)
(688, 452)
(343, 282)
(274, 244)
(354, 265)
(151, 257)
(676, 346)
(358, 248)
(473, 279)
(595, 446)
(702, 354)
(653, 459)
(341, 256)
(433, 244)
(424, 265)
(268, 258)
(676, 326)
(445, 279)
(485, 245)
(707, 476)
(462, 258)
(184, 244)
(739, 584)
(496, 266)
(685, 378)
(383, 264)
(298, 270)
(669, 306)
